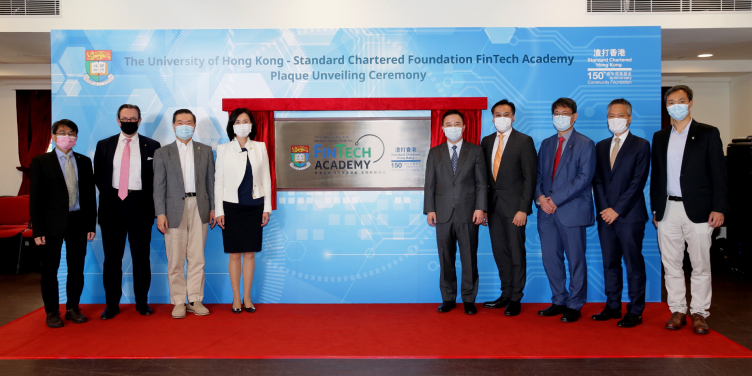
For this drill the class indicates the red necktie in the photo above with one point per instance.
(558, 156)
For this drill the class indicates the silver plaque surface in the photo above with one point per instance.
(351, 153)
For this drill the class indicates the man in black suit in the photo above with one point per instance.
(622, 168)
(124, 176)
(689, 197)
(455, 199)
(511, 174)
(62, 204)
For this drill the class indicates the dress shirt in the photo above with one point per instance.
(566, 140)
(674, 155)
(621, 138)
(62, 160)
(188, 166)
(458, 145)
(134, 170)
(504, 145)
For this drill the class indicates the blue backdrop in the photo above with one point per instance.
(353, 246)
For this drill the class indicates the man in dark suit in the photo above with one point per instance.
(62, 204)
(689, 197)
(566, 164)
(124, 176)
(511, 174)
(455, 199)
(622, 168)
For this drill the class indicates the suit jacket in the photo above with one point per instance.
(571, 189)
(621, 188)
(703, 173)
(169, 190)
(48, 195)
(103, 166)
(514, 189)
(230, 170)
(462, 192)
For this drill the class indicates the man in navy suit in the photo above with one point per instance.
(622, 168)
(566, 164)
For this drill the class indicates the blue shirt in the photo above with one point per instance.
(676, 143)
(62, 160)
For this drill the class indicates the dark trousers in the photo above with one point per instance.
(448, 235)
(75, 254)
(508, 245)
(556, 241)
(623, 240)
(127, 220)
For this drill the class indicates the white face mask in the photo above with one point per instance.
(454, 134)
(242, 130)
(502, 124)
(617, 125)
(562, 123)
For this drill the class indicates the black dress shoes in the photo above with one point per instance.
(109, 313)
(553, 310)
(446, 307)
(498, 303)
(54, 320)
(608, 314)
(75, 316)
(630, 320)
(571, 315)
(513, 309)
(144, 310)
(470, 308)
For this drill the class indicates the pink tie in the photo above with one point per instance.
(125, 166)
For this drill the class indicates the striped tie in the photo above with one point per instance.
(497, 158)
(454, 159)
(70, 180)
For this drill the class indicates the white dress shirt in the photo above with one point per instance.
(458, 145)
(621, 138)
(504, 145)
(134, 170)
(674, 155)
(188, 166)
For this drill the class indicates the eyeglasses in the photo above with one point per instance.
(71, 134)
(128, 120)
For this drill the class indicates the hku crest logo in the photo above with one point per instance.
(299, 157)
(98, 67)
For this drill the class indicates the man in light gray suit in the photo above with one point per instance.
(184, 205)
(455, 202)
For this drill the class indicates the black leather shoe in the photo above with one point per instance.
(553, 310)
(571, 315)
(513, 309)
(144, 311)
(250, 309)
(75, 316)
(109, 313)
(447, 306)
(498, 303)
(54, 320)
(470, 308)
(608, 314)
(630, 320)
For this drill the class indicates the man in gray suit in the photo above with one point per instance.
(184, 205)
(455, 202)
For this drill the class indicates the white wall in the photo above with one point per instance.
(260, 14)
(740, 95)
(10, 178)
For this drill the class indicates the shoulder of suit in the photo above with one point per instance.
(702, 126)
(489, 138)
(199, 144)
(147, 140)
(81, 156)
(605, 141)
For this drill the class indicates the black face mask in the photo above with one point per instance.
(129, 127)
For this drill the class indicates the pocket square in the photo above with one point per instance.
(149, 158)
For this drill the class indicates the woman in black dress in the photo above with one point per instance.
(242, 189)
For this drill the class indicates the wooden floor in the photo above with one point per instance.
(731, 315)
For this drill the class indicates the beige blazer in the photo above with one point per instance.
(230, 170)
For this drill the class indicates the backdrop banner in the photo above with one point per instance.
(353, 246)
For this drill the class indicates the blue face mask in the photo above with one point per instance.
(184, 132)
(678, 111)
(562, 123)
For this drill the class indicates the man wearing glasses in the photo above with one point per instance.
(124, 176)
(63, 208)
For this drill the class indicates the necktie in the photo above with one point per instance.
(497, 158)
(614, 151)
(454, 159)
(558, 156)
(125, 166)
(70, 180)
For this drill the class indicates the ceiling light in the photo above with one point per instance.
(704, 55)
